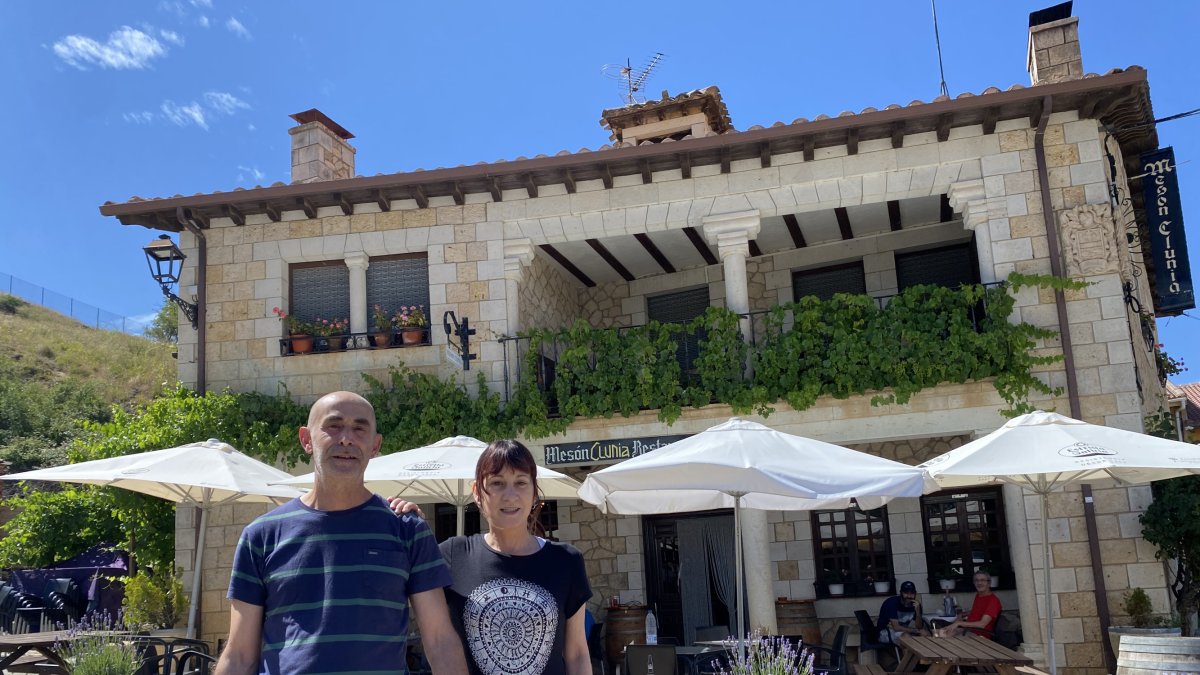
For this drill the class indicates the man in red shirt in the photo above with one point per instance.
(985, 610)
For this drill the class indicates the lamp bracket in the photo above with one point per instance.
(189, 309)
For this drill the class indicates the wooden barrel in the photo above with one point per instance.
(623, 625)
(1149, 655)
(798, 617)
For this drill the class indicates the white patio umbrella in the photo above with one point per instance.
(204, 475)
(1041, 451)
(442, 471)
(742, 464)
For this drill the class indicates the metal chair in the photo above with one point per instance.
(710, 633)
(650, 660)
(870, 637)
(831, 660)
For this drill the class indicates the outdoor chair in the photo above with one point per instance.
(638, 660)
(710, 633)
(192, 662)
(596, 647)
(64, 602)
(831, 660)
(870, 637)
(714, 663)
(8, 608)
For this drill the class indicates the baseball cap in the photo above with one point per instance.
(908, 587)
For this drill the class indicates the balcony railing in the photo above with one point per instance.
(300, 345)
(793, 352)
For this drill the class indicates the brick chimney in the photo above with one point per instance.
(319, 148)
(1054, 54)
(697, 114)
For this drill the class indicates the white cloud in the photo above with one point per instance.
(249, 171)
(181, 116)
(251, 127)
(237, 28)
(143, 117)
(224, 102)
(126, 48)
(172, 37)
(203, 21)
(207, 4)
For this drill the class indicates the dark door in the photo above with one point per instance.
(689, 571)
(662, 576)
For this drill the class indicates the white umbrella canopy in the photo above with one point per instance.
(740, 464)
(442, 471)
(1041, 451)
(205, 474)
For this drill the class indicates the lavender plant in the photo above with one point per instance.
(98, 645)
(769, 655)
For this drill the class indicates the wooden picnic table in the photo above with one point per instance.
(942, 654)
(13, 647)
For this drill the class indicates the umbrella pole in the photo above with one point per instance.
(1052, 659)
(462, 519)
(741, 596)
(194, 605)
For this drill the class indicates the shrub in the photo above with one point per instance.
(154, 600)
(1137, 605)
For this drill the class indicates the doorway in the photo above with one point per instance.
(689, 571)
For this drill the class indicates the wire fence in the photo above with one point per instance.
(89, 315)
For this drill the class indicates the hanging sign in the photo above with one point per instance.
(1168, 247)
(605, 452)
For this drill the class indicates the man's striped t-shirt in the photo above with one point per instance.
(334, 585)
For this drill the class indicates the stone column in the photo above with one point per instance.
(518, 255)
(980, 214)
(358, 263)
(732, 232)
(1019, 551)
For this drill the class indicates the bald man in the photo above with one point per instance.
(323, 583)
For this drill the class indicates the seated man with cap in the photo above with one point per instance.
(901, 614)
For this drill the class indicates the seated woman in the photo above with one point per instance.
(985, 611)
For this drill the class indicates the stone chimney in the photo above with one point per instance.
(1054, 54)
(319, 149)
(696, 114)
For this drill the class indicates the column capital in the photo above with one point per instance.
(732, 232)
(518, 254)
(970, 198)
(357, 260)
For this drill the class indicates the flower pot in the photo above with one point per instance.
(837, 589)
(381, 339)
(301, 344)
(1115, 633)
(946, 584)
(412, 336)
(337, 343)
(882, 587)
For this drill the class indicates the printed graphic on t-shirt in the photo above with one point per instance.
(510, 626)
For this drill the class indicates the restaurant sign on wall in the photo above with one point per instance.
(1164, 219)
(608, 451)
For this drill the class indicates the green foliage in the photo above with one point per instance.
(9, 304)
(54, 525)
(1161, 424)
(165, 325)
(1136, 604)
(98, 649)
(1172, 524)
(154, 600)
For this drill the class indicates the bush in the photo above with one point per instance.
(154, 600)
(1137, 605)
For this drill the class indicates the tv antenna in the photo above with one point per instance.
(631, 82)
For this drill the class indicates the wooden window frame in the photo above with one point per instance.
(936, 561)
(855, 579)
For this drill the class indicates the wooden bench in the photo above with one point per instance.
(871, 669)
(33, 663)
(1030, 670)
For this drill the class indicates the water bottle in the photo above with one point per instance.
(649, 665)
(947, 605)
(651, 629)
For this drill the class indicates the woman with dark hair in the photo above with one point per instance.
(518, 601)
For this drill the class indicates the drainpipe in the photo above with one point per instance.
(1060, 303)
(185, 217)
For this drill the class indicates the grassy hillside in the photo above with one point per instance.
(54, 371)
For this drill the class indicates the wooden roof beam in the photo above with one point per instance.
(685, 164)
(606, 176)
(382, 200)
(898, 134)
(272, 212)
(852, 141)
(793, 226)
(494, 188)
(764, 154)
(697, 240)
(198, 216)
(946, 211)
(644, 168)
(310, 211)
(990, 115)
(235, 214)
(569, 181)
(568, 265)
(457, 192)
(417, 192)
(810, 148)
(611, 259)
(943, 126)
(530, 186)
(843, 221)
(725, 159)
(347, 207)
(893, 207)
(652, 249)
(755, 251)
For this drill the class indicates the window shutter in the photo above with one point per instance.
(395, 281)
(827, 281)
(320, 291)
(949, 266)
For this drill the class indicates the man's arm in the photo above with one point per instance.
(242, 649)
(442, 646)
(575, 649)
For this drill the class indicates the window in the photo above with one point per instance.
(964, 531)
(851, 545)
(949, 266)
(397, 280)
(681, 307)
(445, 521)
(548, 517)
(824, 282)
(320, 290)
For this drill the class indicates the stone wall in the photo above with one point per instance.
(547, 299)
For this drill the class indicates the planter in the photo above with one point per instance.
(412, 336)
(837, 589)
(335, 343)
(381, 339)
(1162, 655)
(1115, 633)
(883, 587)
(301, 344)
(946, 584)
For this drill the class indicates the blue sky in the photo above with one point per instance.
(106, 100)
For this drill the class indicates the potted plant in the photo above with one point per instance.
(299, 333)
(333, 332)
(1140, 610)
(948, 578)
(154, 601)
(882, 585)
(382, 337)
(1170, 524)
(410, 322)
(835, 582)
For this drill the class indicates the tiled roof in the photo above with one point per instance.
(1192, 392)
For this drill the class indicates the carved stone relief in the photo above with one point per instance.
(1089, 240)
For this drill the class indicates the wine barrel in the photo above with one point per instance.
(798, 617)
(1152, 655)
(623, 625)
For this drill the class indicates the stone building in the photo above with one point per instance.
(682, 212)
